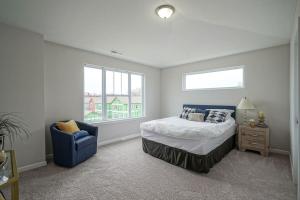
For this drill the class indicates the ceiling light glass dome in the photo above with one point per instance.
(165, 11)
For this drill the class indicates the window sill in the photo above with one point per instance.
(116, 121)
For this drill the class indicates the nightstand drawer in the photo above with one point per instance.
(259, 139)
(253, 133)
(254, 136)
(253, 143)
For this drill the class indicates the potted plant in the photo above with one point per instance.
(12, 126)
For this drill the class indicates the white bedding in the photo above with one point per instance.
(194, 141)
(181, 128)
(200, 147)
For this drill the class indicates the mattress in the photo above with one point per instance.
(185, 129)
(201, 146)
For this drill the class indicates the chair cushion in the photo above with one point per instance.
(85, 141)
(68, 127)
(80, 134)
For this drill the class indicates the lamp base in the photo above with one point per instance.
(245, 118)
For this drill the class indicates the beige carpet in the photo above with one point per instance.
(124, 171)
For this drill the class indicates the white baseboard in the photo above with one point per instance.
(32, 166)
(279, 151)
(128, 137)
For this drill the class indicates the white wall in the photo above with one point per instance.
(266, 85)
(294, 85)
(293, 107)
(22, 88)
(64, 89)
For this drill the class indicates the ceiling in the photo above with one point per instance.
(199, 29)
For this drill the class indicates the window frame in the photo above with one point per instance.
(213, 70)
(104, 105)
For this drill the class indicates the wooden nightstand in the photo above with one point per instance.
(256, 139)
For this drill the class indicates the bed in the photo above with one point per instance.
(191, 145)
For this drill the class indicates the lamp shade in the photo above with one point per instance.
(245, 104)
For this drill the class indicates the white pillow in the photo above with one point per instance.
(198, 117)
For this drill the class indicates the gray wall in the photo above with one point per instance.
(294, 97)
(64, 89)
(22, 88)
(266, 85)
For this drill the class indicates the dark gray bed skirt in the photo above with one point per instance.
(187, 160)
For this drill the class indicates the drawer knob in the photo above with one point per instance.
(254, 143)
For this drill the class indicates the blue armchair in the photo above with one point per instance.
(69, 150)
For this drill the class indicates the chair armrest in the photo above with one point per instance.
(92, 130)
(63, 143)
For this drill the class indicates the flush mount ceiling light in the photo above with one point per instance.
(165, 11)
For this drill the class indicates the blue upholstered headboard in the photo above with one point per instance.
(203, 107)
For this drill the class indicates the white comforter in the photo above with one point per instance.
(182, 128)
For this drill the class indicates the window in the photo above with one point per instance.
(136, 95)
(117, 97)
(218, 79)
(92, 94)
(112, 94)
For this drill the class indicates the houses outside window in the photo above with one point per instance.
(111, 94)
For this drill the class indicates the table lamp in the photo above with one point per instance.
(245, 105)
